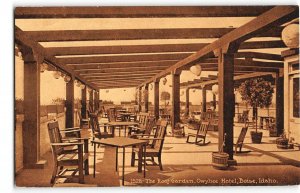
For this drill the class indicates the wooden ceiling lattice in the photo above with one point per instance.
(115, 58)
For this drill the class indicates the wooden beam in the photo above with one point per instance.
(247, 69)
(258, 55)
(236, 78)
(119, 81)
(21, 37)
(126, 74)
(115, 87)
(120, 69)
(115, 77)
(139, 12)
(193, 47)
(274, 17)
(136, 34)
(122, 58)
(165, 63)
(244, 63)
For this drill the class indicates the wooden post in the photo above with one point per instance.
(95, 101)
(175, 116)
(31, 124)
(91, 101)
(214, 102)
(279, 104)
(83, 103)
(187, 102)
(146, 98)
(156, 99)
(226, 102)
(70, 103)
(203, 110)
(140, 99)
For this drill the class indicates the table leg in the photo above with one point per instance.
(140, 159)
(123, 166)
(116, 159)
(144, 146)
(261, 122)
(94, 160)
(120, 131)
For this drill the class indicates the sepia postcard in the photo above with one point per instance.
(114, 96)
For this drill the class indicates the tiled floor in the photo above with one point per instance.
(186, 164)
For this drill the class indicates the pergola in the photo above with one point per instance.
(116, 47)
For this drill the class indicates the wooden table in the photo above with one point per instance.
(266, 119)
(121, 142)
(126, 116)
(121, 124)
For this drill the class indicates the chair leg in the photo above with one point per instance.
(81, 176)
(54, 173)
(132, 158)
(159, 162)
(152, 159)
(187, 139)
(86, 167)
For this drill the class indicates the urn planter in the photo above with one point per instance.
(256, 136)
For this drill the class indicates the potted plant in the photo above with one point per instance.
(282, 142)
(257, 93)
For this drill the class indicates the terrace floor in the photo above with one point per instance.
(185, 165)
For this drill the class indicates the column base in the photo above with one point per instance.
(232, 162)
(38, 165)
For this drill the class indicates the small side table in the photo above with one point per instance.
(121, 142)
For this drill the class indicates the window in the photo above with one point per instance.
(296, 98)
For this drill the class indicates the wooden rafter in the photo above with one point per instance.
(274, 17)
(258, 55)
(125, 49)
(122, 58)
(236, 78)
(139, 12)
(165, 63)
(20, 36)
(137, 34)
(122, 69)
(99, 77)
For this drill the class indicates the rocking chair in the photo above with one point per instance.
(200, 136)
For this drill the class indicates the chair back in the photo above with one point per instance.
(149, 125)
(245, 114)
(143, 118)
(203, 127)
(95, 124)
(111, 115)
(55, 137)
(242, 136)
(160, 133)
